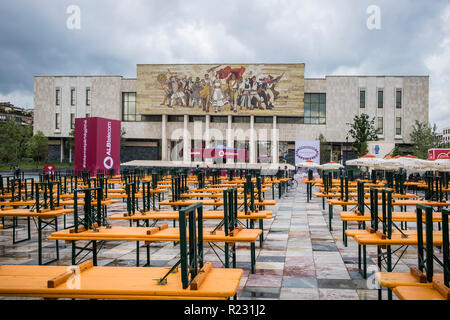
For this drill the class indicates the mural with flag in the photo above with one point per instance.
(253, 89)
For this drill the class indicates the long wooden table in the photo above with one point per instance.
(114, 283)
(153, 234)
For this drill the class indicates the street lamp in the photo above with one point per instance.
(346, 145)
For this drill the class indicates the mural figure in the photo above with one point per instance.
(196, 88)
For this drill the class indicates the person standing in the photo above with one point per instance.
(196, 88)
(217, 97)
(17, 171)
(233, 87)
(244, 93)
(204, 94)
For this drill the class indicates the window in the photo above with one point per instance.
(380, 98)
(58, 96)
(173, 118)
(72, 96)
(380, 125)
(298, 120)
(263, 119)
(72, 121)
(264, 151)
(362, 98)
(315, 108)
(398, 98)
(129, 106)
(219, 119)
(241, 119)
(57, 121)
(152, 118)
(197, 118)
(398, 126)
(88, 96)
(88, 115)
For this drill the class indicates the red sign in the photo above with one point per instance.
(97, 144)
(49, 168)
(438, 153)
(199, 153)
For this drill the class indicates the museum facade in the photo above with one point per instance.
(228, 112)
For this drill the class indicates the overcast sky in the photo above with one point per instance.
(330, 37)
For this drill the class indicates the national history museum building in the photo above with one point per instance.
(228, 112)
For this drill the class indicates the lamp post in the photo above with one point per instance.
(346, 145)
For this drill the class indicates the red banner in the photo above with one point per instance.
(97, 144)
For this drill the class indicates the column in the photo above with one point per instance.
(275, 138)
(252, 145)
(62, 150)
(207, 137)
(164, 138)
(186, 141)
(230, 140)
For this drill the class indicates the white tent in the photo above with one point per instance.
(331, 166)
(366, 161)
(442, 164)
(309, 164)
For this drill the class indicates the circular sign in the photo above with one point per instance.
(108, 162)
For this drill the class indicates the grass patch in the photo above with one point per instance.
(34, 165)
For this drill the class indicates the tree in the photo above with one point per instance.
(396, 152)
(424, 137)
(362, 130)
(70, 143)
(324, 149)
(13, 137)
(37, 147)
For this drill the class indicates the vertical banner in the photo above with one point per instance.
(307, 150)
(97, 144)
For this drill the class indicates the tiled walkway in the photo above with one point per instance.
(300, 258)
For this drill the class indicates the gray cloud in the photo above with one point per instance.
(331, 37)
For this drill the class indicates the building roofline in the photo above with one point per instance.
(217, 63)
(78, 76)
(379, 76)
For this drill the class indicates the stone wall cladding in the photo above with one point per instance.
(130, 153)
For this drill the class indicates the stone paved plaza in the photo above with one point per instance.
(300, 258)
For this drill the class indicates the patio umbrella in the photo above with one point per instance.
(331, 166)
(309, 164)
(368, 160)
(406, 162)
(443, 164)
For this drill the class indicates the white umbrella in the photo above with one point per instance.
(368, 160)
(331, 166)
(410, 163)
(422, 165)
(442, 164)
(309, 164)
